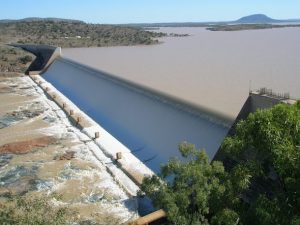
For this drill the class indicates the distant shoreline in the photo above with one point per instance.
(240, 27)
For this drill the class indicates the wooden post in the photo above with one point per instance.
(119, 155)
(78, 119)
(64, 105)
(149, 218)
(54, 96)
(71, 112)
(97, 134)
(46, 89)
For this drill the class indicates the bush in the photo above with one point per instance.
(25, 59)
(30, 210)
(195, 191)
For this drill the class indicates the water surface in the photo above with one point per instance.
(212, 69)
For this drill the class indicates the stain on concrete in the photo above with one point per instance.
(23, 147)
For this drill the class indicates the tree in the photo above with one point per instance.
(261, 183)
(267, 144)
(193, 191)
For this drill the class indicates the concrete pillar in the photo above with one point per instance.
(119, 155)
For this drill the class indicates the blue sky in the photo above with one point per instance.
(139, 11)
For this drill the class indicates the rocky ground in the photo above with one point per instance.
(42, 152)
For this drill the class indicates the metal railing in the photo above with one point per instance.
(271, 93)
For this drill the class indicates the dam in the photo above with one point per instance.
(149, 124)
(144, 124)
(131, 129)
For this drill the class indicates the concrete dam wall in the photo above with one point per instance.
(149, 124)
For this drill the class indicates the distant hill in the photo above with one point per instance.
(73, 33)
(261, 18)
(257, 18)
(292, 20)
(254, 22)
(34, 19)
(251, 19)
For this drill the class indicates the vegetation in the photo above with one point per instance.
(260, 184)
(267, 146)
(178, 35)
(25, 59)
(13, 59)
(194, 191)
(237, 27)
(74, 34)
(30, 210)
(42, 209)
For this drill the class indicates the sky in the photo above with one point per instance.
(142, 11)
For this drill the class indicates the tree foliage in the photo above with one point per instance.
(267, 144)
(260, 186)
(193, 190)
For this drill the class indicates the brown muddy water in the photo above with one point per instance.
(211, 69)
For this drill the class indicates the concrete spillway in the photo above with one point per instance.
(150, 125)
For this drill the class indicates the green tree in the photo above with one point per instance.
(193, 191)
(267, 145)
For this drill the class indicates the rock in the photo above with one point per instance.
(66, 156)
(5, 159)
(18, 180)
(35, 109)
(24, 147)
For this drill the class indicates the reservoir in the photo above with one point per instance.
(212, 69)
(191, 89)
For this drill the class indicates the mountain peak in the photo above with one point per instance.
(256, 18)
